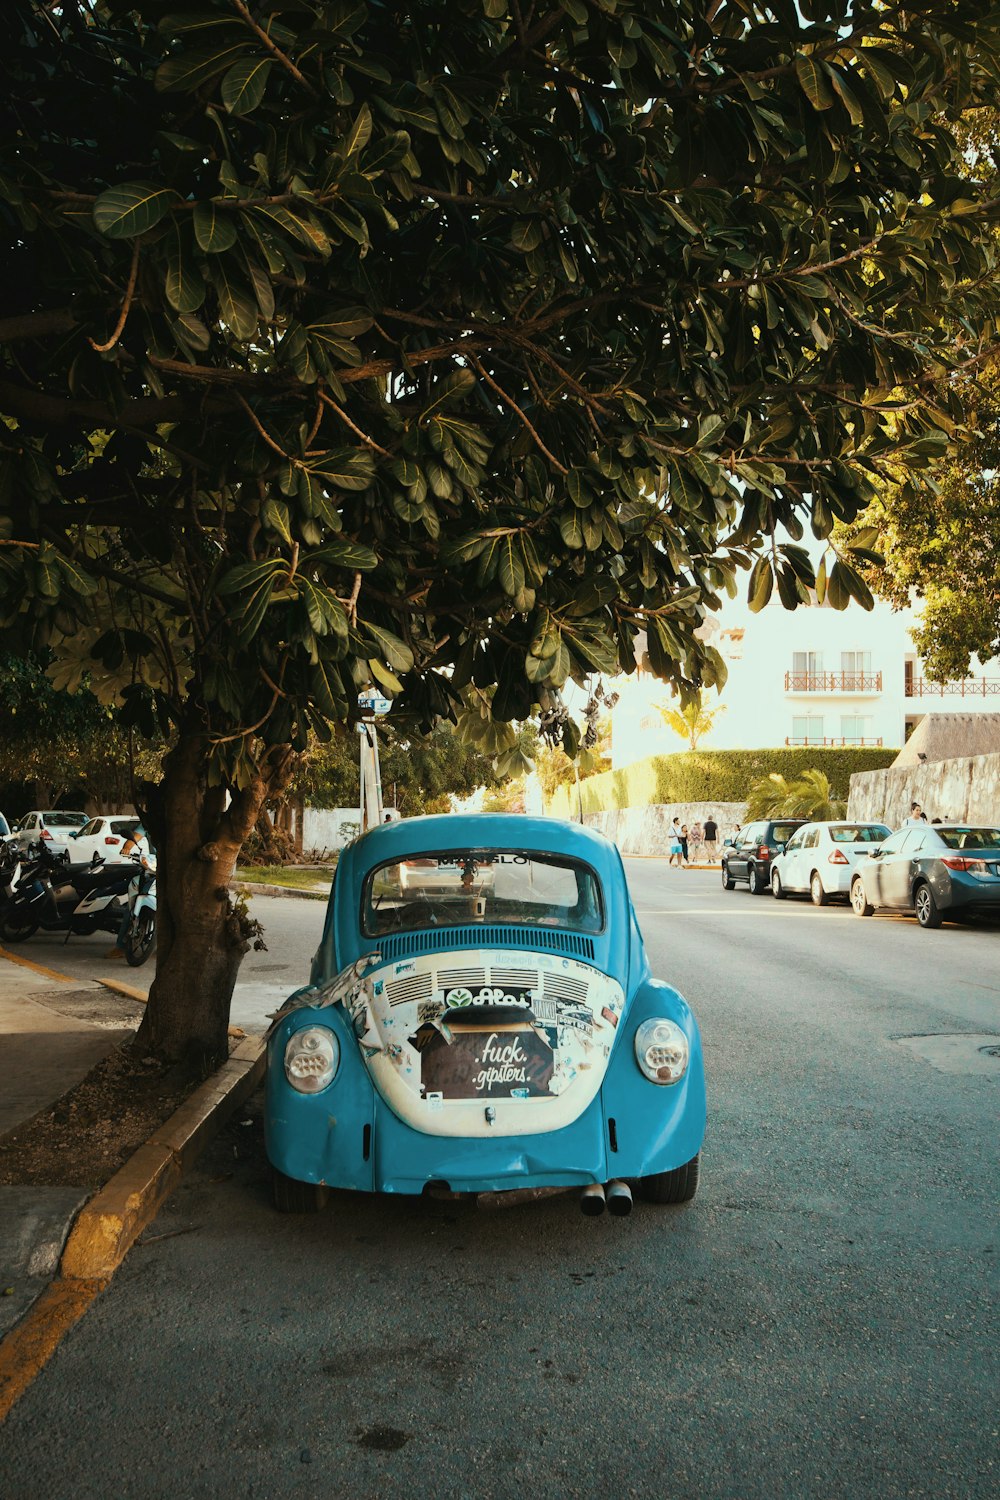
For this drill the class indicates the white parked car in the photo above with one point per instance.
(54, 829)
(105, 836)
(820, 859)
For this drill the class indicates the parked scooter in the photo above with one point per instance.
(45, 893)
(140, 935)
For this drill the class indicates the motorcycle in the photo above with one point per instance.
(140, 935)
(45, 893)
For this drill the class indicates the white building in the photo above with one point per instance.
(812, 676)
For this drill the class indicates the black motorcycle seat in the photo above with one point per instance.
(87, 879)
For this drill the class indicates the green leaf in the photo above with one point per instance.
(192, 332)
(814, 82)
(510, 569)
(248, 575)
(188, 70)
(275, 515)
(849, 100)
(452, 387)
(527, 235)
(396, 652)
(214, 231)
(327, 615)
(132, 208)
(244, 84)
(344, 468)
(76, 577)
(255, 606)
(387, 680)
(348, 323)
(346, 554)
(237, 307)
(327, 689)
(359, 134)
(184, 287)
(761, 585)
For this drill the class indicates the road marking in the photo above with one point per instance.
(29, 1346)
(28, 963)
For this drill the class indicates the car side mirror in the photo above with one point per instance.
(727, 843)
(876, 853)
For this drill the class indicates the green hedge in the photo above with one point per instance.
(713, 776)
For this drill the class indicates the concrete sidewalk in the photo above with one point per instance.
(59, 1245)
(45, 1051)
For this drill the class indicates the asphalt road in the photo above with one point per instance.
(820, 1322)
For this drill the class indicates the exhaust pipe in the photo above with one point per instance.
(619, 1199)
(592, 1200)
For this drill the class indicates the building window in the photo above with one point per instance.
(855, 729)
(855, 667)
(807, 663)
(807, 729)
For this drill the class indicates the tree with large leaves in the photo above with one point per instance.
(449, 345)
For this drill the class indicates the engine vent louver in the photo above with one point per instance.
(411, 987)
(483, 936)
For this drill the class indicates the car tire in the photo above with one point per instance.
(727, 880)
(860, 904)
(777, 889)
(817, 894)
(294, 1197)
(678, 1186)
(927, 911)
(757, 886)
(140, 940)
(13, 931)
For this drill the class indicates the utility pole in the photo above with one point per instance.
(370, 772)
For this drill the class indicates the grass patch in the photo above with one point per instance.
(316, 878)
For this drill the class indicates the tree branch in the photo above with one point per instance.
(285, 61)
(129, 293)
(514, 407)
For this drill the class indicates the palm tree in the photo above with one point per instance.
(690, 722)
(809, 795)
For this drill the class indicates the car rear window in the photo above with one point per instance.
(124, 826)
(859, 833)
(64, 820)
(970, 838)
(782, 832)
(454, 887)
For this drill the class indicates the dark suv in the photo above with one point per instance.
(749, 858)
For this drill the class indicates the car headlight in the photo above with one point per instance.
(312, 1056)
(662, 1051)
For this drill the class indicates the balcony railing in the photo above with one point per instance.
(816, 739)
(965, 687)
(833, 682)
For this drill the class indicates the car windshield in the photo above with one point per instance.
(453, 887)
(970, 838)
(859, 833)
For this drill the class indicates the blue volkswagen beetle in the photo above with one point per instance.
(482, 1020)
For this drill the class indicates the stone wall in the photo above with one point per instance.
(966, 789)
(646, 830)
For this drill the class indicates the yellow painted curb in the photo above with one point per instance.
(108, 1226)
(27, 963)
(27, 1349)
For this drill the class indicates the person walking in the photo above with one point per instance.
(676, 847)
(711, 833)
(916, 814)
(696, 841)
(685, 841)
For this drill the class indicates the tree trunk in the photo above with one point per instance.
(202, 933)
